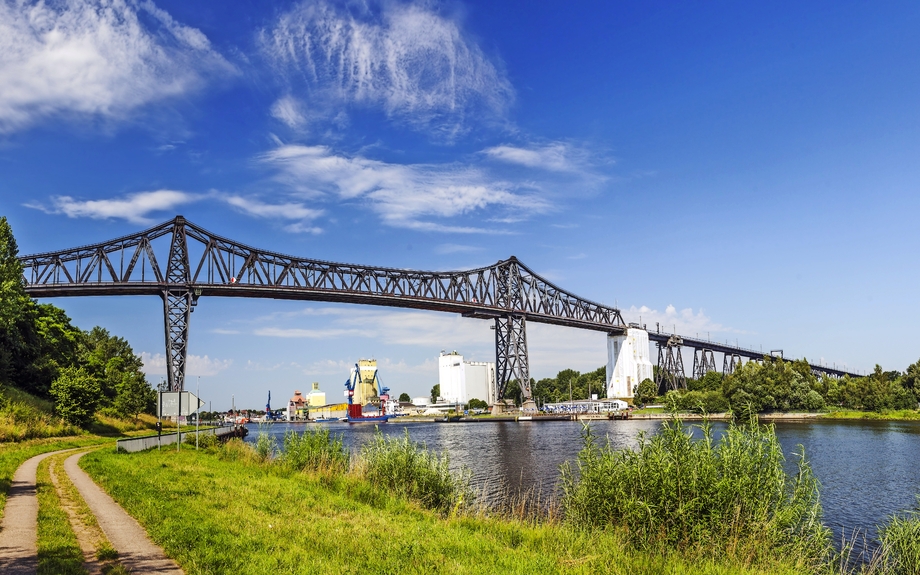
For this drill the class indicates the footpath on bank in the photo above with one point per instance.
(19, 529)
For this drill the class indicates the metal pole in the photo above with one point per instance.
(197, 413)
(179, 424)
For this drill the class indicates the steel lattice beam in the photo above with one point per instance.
(199, 262)
(704, 361)
(670, 374)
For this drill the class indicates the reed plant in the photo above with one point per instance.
(266, 445)
(409, 469)
(900, 543)
(701, 496)
(314, 450)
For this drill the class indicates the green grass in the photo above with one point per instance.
(902, 414)
(24, 416)
(900, 539)
(12, 455)
(224, 511)
(58, 550)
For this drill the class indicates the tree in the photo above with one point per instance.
(18, 340)
(435, 392)
(135, 396)
(76, 394)
(646, 391)
(477, 404)
(404, 397)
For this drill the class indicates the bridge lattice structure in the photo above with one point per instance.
(181, 262)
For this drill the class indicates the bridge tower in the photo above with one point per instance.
(704, 361)
(178, 303)
(730, 362)
(670, 374)
(511, 334)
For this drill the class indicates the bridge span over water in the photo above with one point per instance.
(181, 262)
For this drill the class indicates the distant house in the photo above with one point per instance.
(297, 407)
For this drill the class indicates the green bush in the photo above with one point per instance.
(76, 395)
(731, 496)
(410, 470)
(314, 450)
(266, 445)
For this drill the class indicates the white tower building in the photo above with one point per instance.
(628, 362)
(462, 381)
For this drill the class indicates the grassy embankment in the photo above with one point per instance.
(894, 415)
(395, 508)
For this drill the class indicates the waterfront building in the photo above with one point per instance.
(367, 384)
(628, 362)
(297, 407)
(462, 381)
(316, 397)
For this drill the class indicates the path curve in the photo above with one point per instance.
(136, 551)
(19, 531)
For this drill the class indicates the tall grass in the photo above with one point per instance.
(407, 468)
(23, 416)
(702, 496)
(900, 539)
(314, 450)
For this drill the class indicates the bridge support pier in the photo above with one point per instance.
(511, 357)
(704, 361)
(178, 303)
(670, 374)
(730, 362)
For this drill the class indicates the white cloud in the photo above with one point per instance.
(687, 322)
(286, 211)
(555, 156)
(404, 58)
(289, 111)
(155, 364)
(402, 194)
(90, 58)
(457, 249)
(307, 333)
(133, 207)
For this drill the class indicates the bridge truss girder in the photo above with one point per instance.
(670, 374)
(730, 362)
(704, 361)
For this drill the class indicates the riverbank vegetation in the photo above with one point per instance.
(55, 377)
(679, 503)
(773, 385)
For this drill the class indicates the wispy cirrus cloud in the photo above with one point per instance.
(405, 58)
(413, 196)
(554, 156)
(139, 206)
(134, 208)
(95, 59)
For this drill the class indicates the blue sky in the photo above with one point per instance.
(748, 171)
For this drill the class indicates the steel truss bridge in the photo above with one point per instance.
(180, 262)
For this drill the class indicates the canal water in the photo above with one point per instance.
(868, 469)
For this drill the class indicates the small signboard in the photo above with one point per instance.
(168, 403)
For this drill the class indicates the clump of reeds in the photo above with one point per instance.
(266, 445)
(314, 450)
(408, 469)
(730, 496)
(900, 539)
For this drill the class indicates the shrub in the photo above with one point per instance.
(76, 395)
(314, 450)
(265, 446)
(701, 495)
(410, 470)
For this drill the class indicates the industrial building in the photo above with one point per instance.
(462, 381)
(628, 362)
(366, 384)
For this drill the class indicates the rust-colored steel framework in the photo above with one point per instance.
(201, 263)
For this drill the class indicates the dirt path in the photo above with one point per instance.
(136, 551)
(19, 531)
